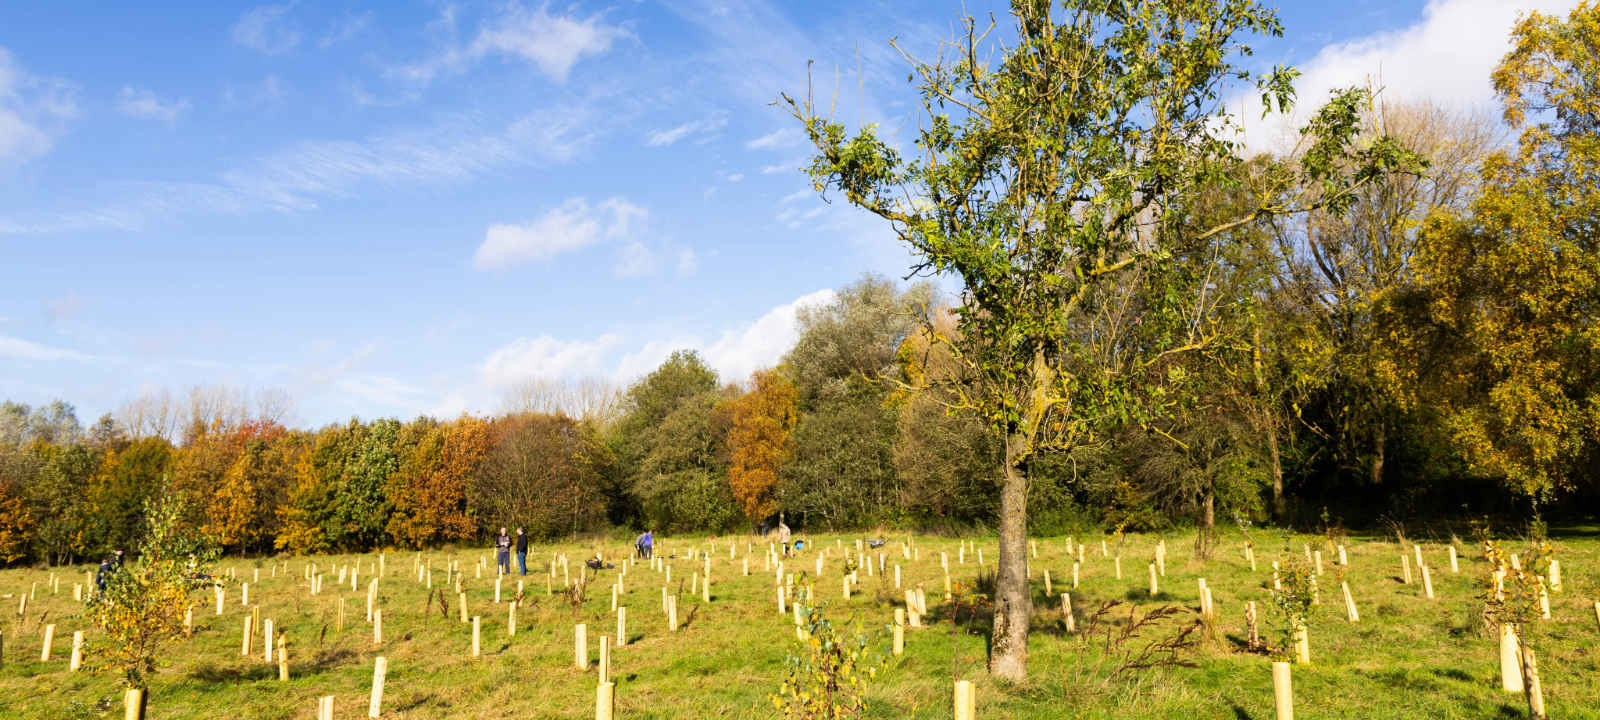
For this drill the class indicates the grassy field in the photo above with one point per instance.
(1408, 657)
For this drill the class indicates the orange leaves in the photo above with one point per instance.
(429, 493)
(758, 440)
(230, 473)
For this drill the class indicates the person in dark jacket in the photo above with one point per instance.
(522, 551)
(106, 568)
(502, 546)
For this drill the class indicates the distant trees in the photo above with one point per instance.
(546, 473)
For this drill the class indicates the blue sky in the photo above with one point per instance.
(401, 208)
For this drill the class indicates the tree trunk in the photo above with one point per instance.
(1013, 602)
(1377, 456)
(1209, 521)
(1277, 471)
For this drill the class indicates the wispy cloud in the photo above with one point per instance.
(551, 43)
(387, 391)
(780, 138)
(264, 29)
(668, 137)
(453, 150)
(19, 349)
(635, 259)
(342, 30)
(571, 226)
(65, 308)
(33, 111)
(687, 262)
(144, 104)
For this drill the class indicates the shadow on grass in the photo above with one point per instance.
(1240, 713)
(1453, 674)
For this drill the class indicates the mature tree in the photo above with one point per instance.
(856, 335)
(761, 422)
(842, 471)
(1053, 185)
(682, 483)
(16, 527)
(56, 423)
(592, 400)
(1344, 278)
(1516, 284)
(308, 512)
(361, 506)
(118, 490)
(542, 472)
(429, 492)
(651, 444)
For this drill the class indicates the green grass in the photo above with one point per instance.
(1409, 657)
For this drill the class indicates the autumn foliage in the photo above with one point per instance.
(758, 440)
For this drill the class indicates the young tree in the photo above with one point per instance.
(143, 604)
(1054, 185)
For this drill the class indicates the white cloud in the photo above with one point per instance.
(544, 356)
(668, 137)
(144, 104)
(636, 260)
(571, 226)
(20, 349)
(33, 111)
(760, 344)
(740, 350)
(1446, 55)
(780, 138)
(388, 391)
(687, 262)
(736, 177)
(263, 29)
(552, 43)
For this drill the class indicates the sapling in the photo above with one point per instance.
(1290, 607)
(1511, 596)
(827, 673)
(144, 605)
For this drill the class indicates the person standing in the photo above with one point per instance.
(502, 545)
(522, 551)
(783, 537)
(100, 575)
(647, 544)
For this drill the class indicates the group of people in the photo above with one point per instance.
(502, 547)
(783, 534)
(503, 544)
(643, 547)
